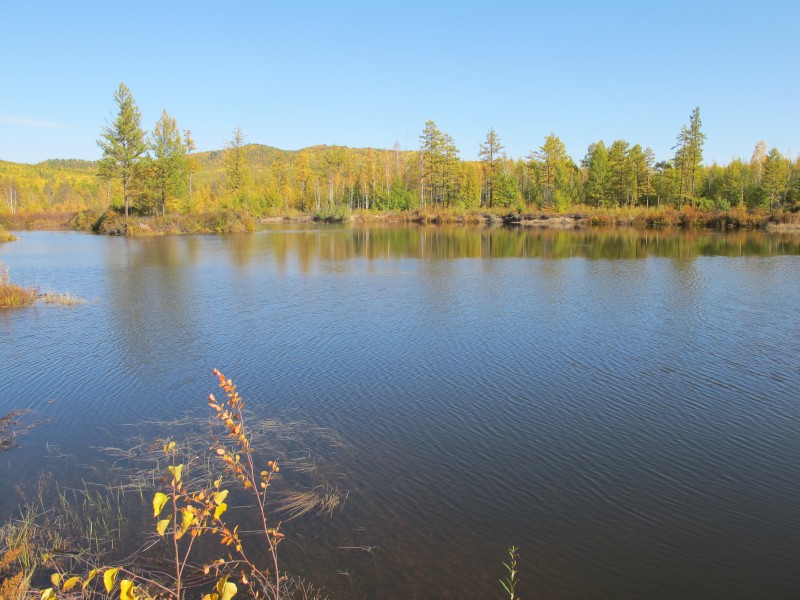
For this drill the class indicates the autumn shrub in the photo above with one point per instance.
(110, 223)
(691, 217)
(209, 553)
(85, 220)
(337, 214)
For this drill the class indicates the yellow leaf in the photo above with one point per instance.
(219, 497)
(159, 500)
(126, 590)
(55, 579)
(219, 510)
(226, 589)
(109, 577)
(48, 594)
(161, 526)
(176, 472)
(187, 520)
(70, 583)
(169, 447)
(89, 578)
(211, 597)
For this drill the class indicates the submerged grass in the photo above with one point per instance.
(65, 299)
(13, 295)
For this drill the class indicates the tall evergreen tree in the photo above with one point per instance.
(123, 142)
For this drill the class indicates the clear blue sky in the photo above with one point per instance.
(295, 74)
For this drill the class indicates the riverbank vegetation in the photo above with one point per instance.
(141, 177)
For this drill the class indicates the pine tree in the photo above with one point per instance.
(123, 142)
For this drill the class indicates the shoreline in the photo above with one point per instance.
(111, 223)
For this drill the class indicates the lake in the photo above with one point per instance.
(622, 405)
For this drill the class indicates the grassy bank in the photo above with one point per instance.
(112, 223)
(648, 218)
(227, 221)
(36, 220)
(6, 236)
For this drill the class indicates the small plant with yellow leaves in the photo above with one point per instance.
(185, 513)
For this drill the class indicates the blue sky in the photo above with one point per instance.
(295, 74)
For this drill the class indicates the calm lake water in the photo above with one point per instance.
(623, 406)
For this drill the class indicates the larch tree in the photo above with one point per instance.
(776, 178)
(190, 164)
(439, 157)
(489, 152)
(235, 163)
(123, 142)
(689, 156)
(553, 166)
(598, 180)
(169, 159)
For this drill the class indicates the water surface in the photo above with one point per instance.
(622, 405)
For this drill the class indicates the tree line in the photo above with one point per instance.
(160, 173)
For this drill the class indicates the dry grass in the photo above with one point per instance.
(65, 299)
(5, 236)
(12, 295)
